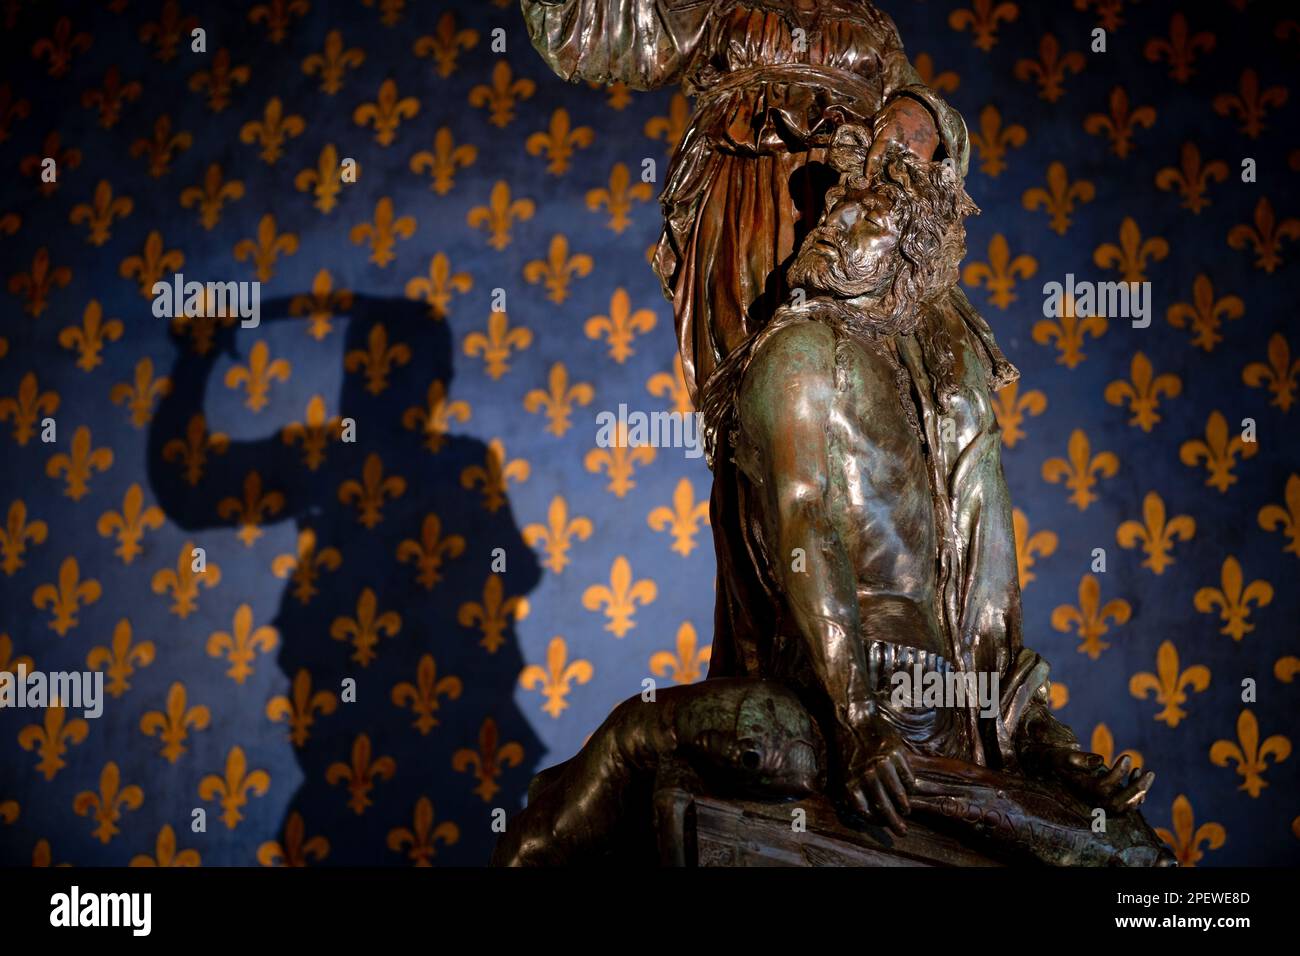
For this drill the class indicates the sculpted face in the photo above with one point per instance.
(854, 249)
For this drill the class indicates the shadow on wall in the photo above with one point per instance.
(387, 530)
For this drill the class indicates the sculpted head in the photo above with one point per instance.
(890, 238)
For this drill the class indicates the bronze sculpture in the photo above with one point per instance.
(861, 520)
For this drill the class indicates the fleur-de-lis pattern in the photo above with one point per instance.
(452, 248)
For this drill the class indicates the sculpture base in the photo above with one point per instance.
(698, 830)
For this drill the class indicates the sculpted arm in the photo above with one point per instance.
(643, 43)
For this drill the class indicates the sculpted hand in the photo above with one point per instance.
(906, 122)
(879, 777)
(1117, 789)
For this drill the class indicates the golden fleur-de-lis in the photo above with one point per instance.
(502, 95)
(1155, 532)
(495, 474)
(304, 566)
(672, 128)
(982, 19)
(1120, 123)
(242, 643)
(66, 596)
(1187, 838)
(108, 99)
(371, 491)
(429, 552)
(220, 80)
(1049, 70)
(620, 597)
(619, 461)
(1205, 315)
(130, 524)
(365, 630)
(442, 162)
(15, 535)
(1180, 48)
(333, 62)
(1081, 469)
(422, 696)
(383, 232)
(945, 82)
(390, 11)
(160, 148)
(106, 806)
(51, 148)
(1103, 744)
(1192, 177)
(672, 385)
(51, 738)
(300, 710)
(1069, 332)
(203, 328)
(172, 726)
(687, 664)
(361, 774)
(445, 44)
(1265, 236)
(1030, 547)
(192, 450)
(314, 432)
(386, 112)
(1088, 620)
(1250, 102)
(682, 519)
(9, 662)
(1234, 598)
(1279, 374)
(256, 377)
(1059, 197)
(992, 141)
(233, 787)
(266, 248)
(36, 285)
(1010, 409)
(139, 395)
(621, 326)
(183, 581)
(998, 275)
(295, 848)
(434, 418)
(324, 180)
(100, 212)
(1130, 257)
(559, 142)
(1169, 684)
(555, 680)
(437, 288)
(494, 614)
(89, 338)
(61, 46)
(557, 535)
(166, 32)
(277, 15)
(1219, 450)
(1142, 391)
(154, 260)
(489, 760)
(272, 131)
(558, 269)
(26, 406)
(1249, 754)
(497, 345)
(422, 836)
(500, 214)
(618, 197)
(77, 464)
(166, 853)
(558, 399)
(1271, 517)
(321, 305)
